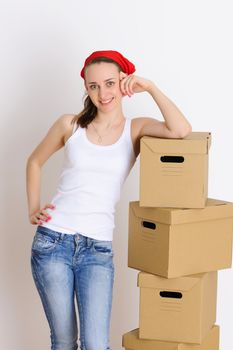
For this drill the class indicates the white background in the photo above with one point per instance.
(183, 46)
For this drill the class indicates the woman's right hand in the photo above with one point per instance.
(41, 216)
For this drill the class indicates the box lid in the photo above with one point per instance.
(194, 143)
(131, 340)
(147, 280)
(214, 209)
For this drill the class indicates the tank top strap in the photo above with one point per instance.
(75, 127)
(128, 129)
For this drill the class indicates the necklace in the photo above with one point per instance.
(100, 138)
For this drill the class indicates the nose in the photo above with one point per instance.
(102, 93)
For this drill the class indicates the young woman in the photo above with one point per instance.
(72, 252)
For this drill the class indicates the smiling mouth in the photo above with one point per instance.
(106, 102)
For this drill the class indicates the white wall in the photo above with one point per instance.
(184, 46)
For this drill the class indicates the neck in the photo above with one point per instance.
(111, 118)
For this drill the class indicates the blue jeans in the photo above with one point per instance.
(66, 266)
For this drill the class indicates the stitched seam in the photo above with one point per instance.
(44, 302)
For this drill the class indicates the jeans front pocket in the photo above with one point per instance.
(103, 247)
(43, 243)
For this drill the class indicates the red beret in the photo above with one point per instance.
(126, 66)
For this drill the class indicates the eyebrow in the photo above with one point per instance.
(94, 82)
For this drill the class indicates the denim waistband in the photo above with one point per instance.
(65, 236)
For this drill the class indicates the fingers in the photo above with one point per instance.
(49, 205)
(41, 215)
(35, 219)
(126, 84)
(123, 75)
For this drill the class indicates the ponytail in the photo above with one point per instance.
(86, 116)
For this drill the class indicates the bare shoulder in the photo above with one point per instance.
(65, 122)
(53, 140)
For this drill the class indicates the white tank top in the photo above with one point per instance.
(90, 185)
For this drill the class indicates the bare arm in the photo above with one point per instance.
(175, 125)
(52, 142)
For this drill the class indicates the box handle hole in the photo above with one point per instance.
(150, 225)
(172, 159)
(169, 294)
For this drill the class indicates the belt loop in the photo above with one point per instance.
(61, 236)
(76, 238)
(89, 242)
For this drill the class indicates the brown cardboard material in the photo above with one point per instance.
(177, 309)
(173, 242)
(174, 172)
(131, 341)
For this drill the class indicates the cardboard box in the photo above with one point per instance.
(173, 242)
(177, 309)
(174, 172)
(131, 341)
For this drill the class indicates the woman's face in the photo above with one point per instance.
(102, 82)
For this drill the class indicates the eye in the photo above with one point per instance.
(110, 83)
(93, 87)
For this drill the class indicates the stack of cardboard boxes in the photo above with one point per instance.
(178, 239)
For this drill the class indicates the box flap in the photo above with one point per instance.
(146, 280)
(214, 209)
(195, 143)
(131, 340)
(152, 214)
